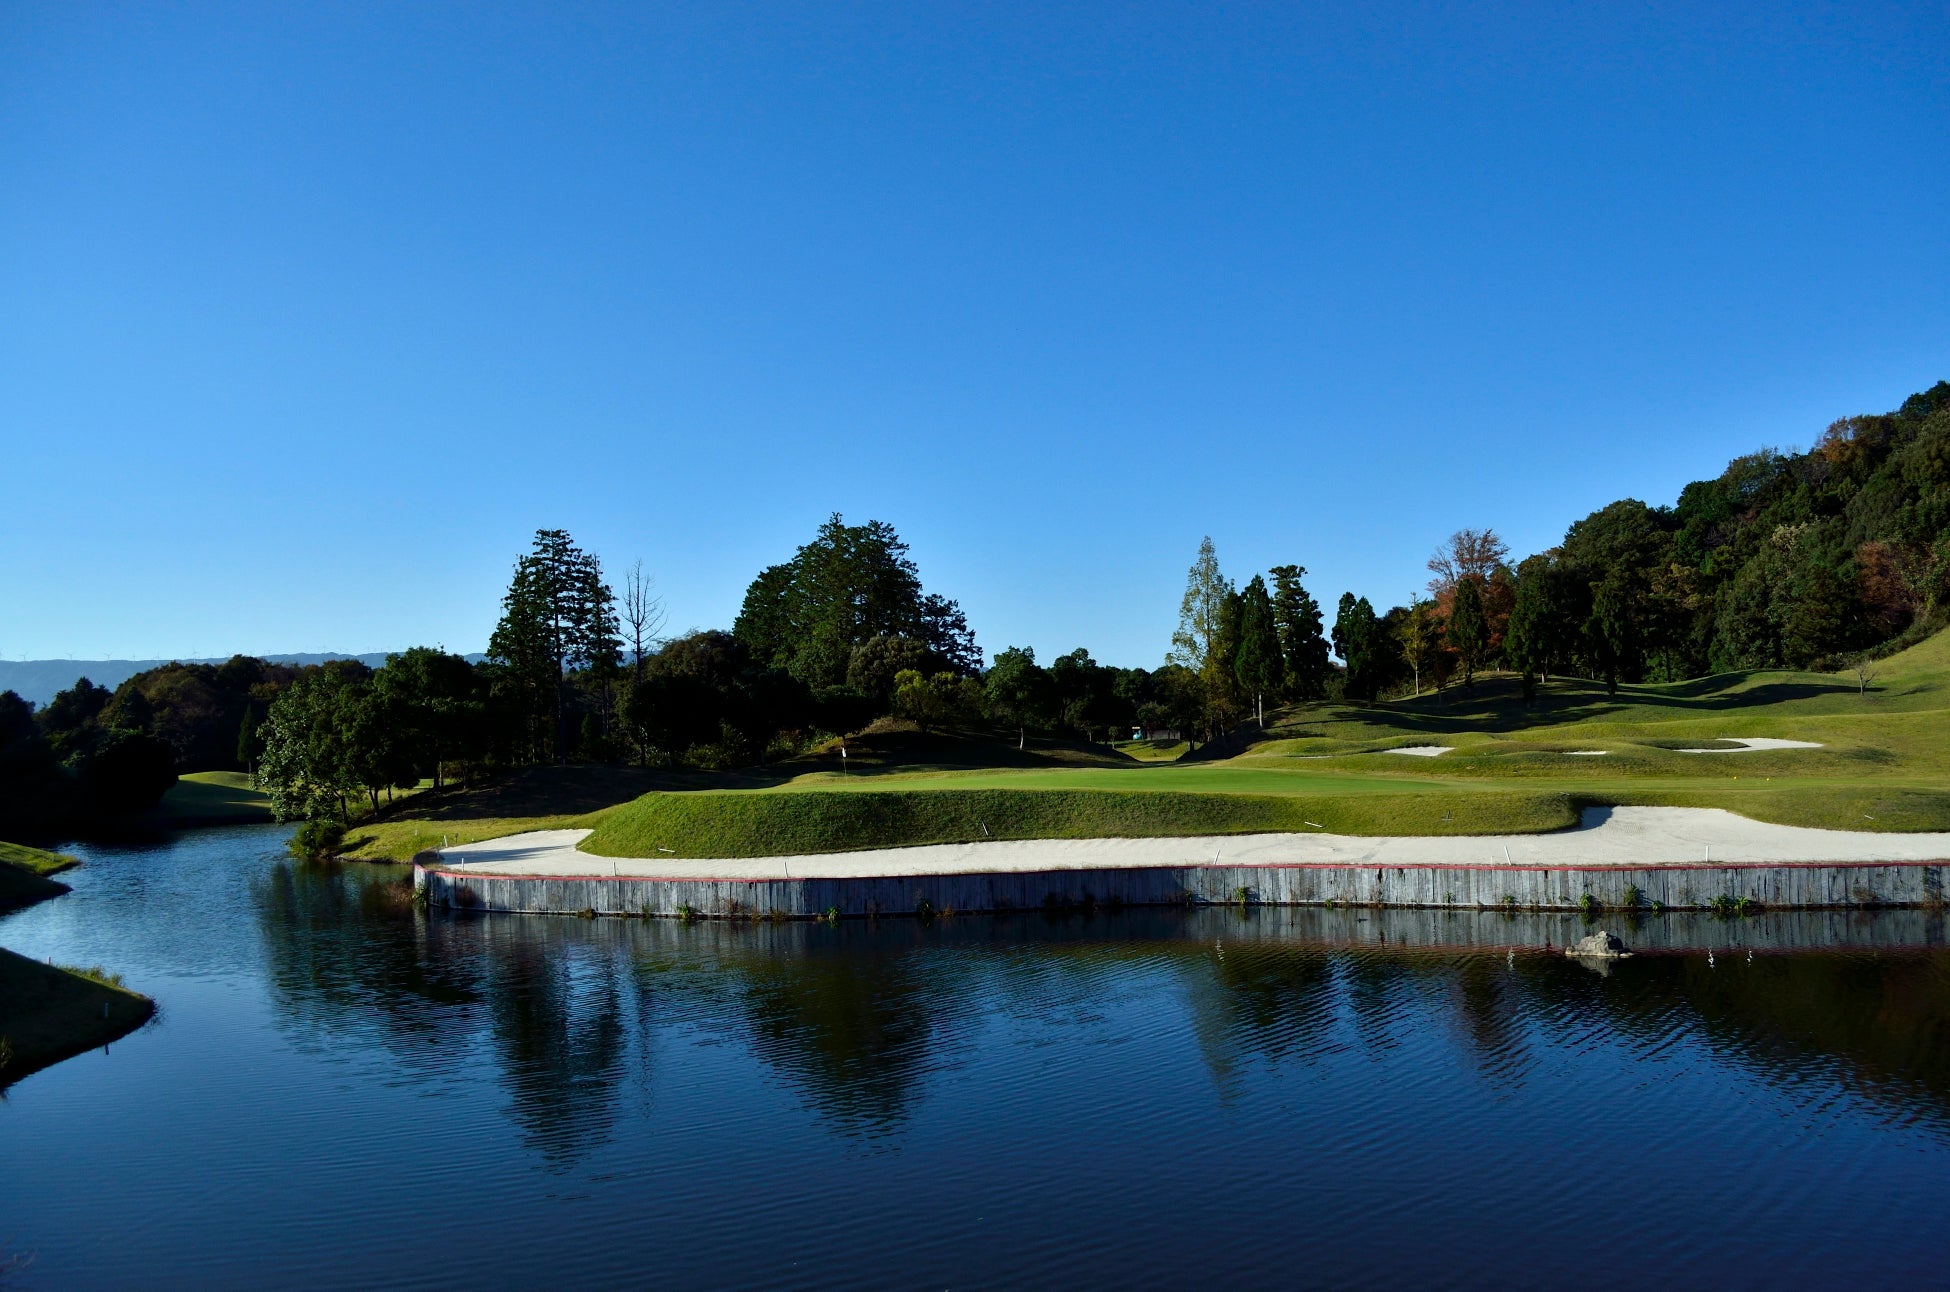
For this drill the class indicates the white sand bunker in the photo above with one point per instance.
(1420, 751)
(1749, 743)
(1586, 753)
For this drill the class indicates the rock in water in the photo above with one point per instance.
(1599, 946)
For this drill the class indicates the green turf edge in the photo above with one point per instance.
(25, 875)
(758, 824)
(49, 1013)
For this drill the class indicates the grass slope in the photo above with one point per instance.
(25, 875)
(214, 798)
(49, 1013)
(771, 823)
(1884, 764)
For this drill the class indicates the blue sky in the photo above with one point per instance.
(310, 315)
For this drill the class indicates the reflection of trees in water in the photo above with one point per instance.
(1261, 999)
(335, 957)
(853, 1017)
(356, 971)
(556, 1009)
(857, 1018)
(1489, 1013)
(1875, 1024)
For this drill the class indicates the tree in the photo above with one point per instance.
(1303, 648)
(1358, 639)
(1610, 631)
(1207, 624)
(1531, 642)
(1421, 639)
(877, 660)
(850, 584)
(939, 701)
(309, 766)
(130, 772)
(1468, 631)
(1469, 553)
(557, 615)
(1258, 661)
(248, 744)
(643, 614)
(1084, 692)
(1201, 612)
(1017, 691)
(433, 700)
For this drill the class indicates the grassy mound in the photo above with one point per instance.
(49, 1013)
(25, 875)
(794, 823)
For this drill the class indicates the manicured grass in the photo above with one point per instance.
(49, 1013)
(1153, 751)
(25, 875)
(214, 798)
(36, 860)
(400, 840)
(767, 823)
(1884, 764)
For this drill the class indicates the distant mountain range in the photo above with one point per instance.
(39, 680)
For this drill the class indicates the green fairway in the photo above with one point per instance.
(214, 798)
(1883, 763)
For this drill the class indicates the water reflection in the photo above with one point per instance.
(857, 1019)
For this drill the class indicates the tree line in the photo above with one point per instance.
(1784, 560)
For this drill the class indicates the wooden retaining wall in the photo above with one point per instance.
(1775, 887)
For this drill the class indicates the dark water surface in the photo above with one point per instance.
(340, 1094)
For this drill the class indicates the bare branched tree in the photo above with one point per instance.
(1468, 553)
(643, 614)
(1865, 673)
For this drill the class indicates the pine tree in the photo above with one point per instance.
(1468, 632)
(557, 615)
(1257, 662)
(1530, 642)
(1201, 643)
(1303, 648)
(1358, 640)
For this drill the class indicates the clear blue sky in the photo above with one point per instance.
(310, 315)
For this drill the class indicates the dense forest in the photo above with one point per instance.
(1795, 560)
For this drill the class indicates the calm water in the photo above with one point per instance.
(335, 1095)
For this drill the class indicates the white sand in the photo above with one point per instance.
(1628, 836)
(1587, 753)
(1751, 743)
(1420, 751)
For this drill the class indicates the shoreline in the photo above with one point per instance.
(49, 1013)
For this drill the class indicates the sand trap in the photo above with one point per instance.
(1586, 753)
(1750, 743)
(1420, 751)
(1626, 836)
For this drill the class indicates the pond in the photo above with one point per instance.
(337, 1091)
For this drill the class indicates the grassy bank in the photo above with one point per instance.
(26, 875)
(49, 1013)
(748, 824)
